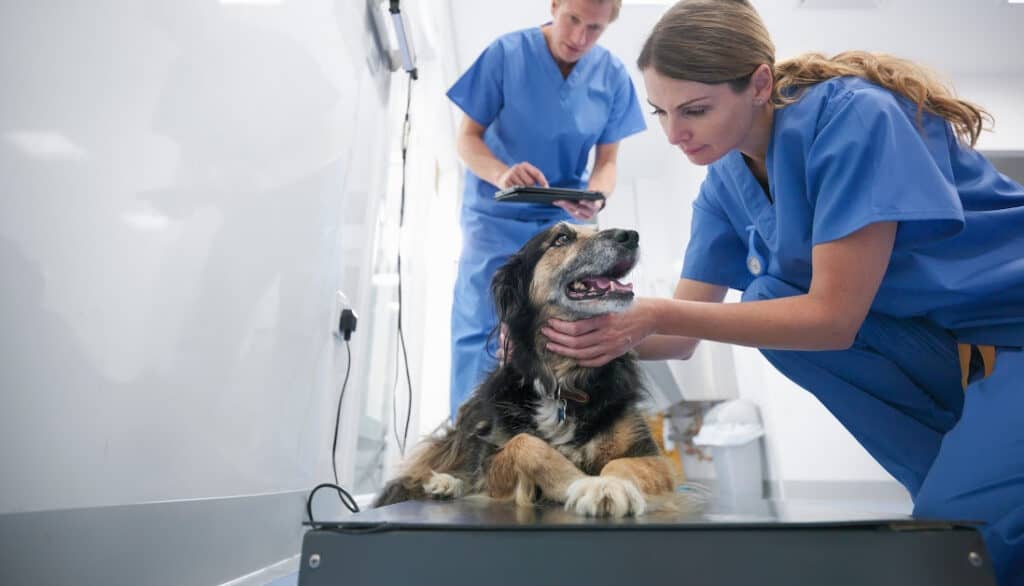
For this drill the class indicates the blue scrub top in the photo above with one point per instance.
(516, 91)
(848, 154)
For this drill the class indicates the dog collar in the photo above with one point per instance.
(561, 396)
(563, 393)
(560, 413)
(574, 395)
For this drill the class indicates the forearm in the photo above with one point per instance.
(659, 347)
(792, 323)
(847, 275)
(603, 177)
(477, 156)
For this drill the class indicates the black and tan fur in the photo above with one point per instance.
(506, 441)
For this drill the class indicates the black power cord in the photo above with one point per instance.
(346, 325)
(337, 415)
(346, 499)
(406, 127)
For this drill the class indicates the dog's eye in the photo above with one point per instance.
(561, 240)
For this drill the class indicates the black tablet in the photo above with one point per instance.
(534, 194)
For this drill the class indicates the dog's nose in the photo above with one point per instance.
(627, 238)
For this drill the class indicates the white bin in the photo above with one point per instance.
(733, 431)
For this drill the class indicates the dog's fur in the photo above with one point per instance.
(507, 442)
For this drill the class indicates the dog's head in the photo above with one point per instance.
(567, 271)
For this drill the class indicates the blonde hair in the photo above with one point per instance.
(724, 41)
(616, 7)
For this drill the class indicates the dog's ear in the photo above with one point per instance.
(510, 288)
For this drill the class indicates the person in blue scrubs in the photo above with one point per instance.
(536, 103)
(880, 256)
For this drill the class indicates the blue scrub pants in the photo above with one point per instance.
(898, 391)
(488, 241)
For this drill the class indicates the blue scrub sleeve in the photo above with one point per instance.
(715, 253)
(626, 118)
(479, 92)
(870, 162)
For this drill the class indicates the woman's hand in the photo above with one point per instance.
(583, 209)
(599, 340)
(521, 174)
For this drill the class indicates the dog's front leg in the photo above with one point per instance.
(527, 463)
(623, 488)
(651, 474)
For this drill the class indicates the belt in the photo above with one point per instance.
(974, 355)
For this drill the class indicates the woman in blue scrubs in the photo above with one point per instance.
(537, 101)
(881, 257)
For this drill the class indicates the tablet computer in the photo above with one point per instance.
(534, 194)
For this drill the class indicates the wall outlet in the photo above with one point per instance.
(340, 303)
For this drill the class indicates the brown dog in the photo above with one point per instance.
(540, 427)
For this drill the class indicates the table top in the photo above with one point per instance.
(486, 514)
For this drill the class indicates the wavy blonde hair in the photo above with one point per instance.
(724, 41)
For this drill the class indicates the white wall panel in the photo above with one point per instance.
(184, 186)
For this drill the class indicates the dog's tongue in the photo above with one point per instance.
(606, 283)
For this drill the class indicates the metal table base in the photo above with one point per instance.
(757, 542)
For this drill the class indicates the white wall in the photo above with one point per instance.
(1001, 95)
(185, 185)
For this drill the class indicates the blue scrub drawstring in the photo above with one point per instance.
(755, 262)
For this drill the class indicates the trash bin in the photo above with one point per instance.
(733, 431)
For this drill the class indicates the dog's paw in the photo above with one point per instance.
(604, 496)
(444, 486)
(526, 493)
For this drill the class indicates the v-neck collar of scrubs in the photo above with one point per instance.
(540, 45)
(761, 210)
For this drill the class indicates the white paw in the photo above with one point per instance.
(444, 486)
(604, 496)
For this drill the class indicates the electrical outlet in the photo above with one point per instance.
(340, 303)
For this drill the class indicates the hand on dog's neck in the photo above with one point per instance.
(560, 371)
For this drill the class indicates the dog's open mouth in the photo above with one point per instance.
(598, 287)
(602, 286)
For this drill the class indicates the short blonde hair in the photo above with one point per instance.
(616, 6)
